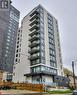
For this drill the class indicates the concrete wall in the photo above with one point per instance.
(58, 48)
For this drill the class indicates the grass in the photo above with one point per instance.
(59, 92)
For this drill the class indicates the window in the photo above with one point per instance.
(17, 46)
(18, 38)
(50, 30)
(9, 30)
(42, 47)
(17, 50)
(7, 44)
(6, 51)
(18, 42)
(43, 61)
(42, 68)
(50, 17)
(8, 40)
(42, 41)
(42, 54)
(16, 55)
(50, 22)
(41, 24)
(9, 34)
(7, 47)
(16, 60)
(41, 29)
(41, 20)
(42, 35)
(51, 46)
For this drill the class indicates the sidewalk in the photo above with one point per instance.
(25, 92)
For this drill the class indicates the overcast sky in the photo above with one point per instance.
(66, 13)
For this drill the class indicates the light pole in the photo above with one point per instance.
(73, 73)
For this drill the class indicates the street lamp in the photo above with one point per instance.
(73, 73)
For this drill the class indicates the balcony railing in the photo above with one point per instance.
(34, 57)
(34, 16)
(35, 12)
(35, 21)
(35, 32)
(35, 26)
(34, 51)
(43, 73)
(34, 44)
(34, 38)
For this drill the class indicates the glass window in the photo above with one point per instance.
(8, 37)
(42, 35)
(8, 40)
(7, 51)
(43, 61)
(16, 55)
(41, 24)
(41, 20)
(42, 68)
(42, 47)
(7, 47)
(6, 55)
(42, 41)
(41, 29)
(37, 69)
(42, 54)
(7, 44)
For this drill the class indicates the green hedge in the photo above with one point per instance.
(59, 92)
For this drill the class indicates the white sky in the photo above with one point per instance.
(66, 13)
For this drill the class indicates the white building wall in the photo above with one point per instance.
(23, 66)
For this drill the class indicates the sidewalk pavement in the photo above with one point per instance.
(24, 92)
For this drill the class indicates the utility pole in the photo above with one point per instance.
(73, 73)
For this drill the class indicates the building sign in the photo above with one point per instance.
(4, 5)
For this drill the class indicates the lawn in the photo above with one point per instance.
(59, 92)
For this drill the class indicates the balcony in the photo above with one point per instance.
(32, 14)
(32, 51)
(40, 73)
(35, 26)
(34, 38)
(34, 57)
(34, 44)
(35, 21)
(35, 32)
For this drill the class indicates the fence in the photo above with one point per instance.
(24, 86)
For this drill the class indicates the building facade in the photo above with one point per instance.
(38, 54)
(9, 22)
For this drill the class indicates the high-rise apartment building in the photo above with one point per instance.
(38, 54)
(9, 22)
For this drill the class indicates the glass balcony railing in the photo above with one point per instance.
(32, 51)
(35, 21)
(35, 32)
(35, 16)
(34, 57)
(34, 44)
(35, 26)
(34, 38)
(32, 14)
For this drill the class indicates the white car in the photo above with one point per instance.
(74, 92)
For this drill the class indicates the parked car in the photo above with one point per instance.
(74, 92)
